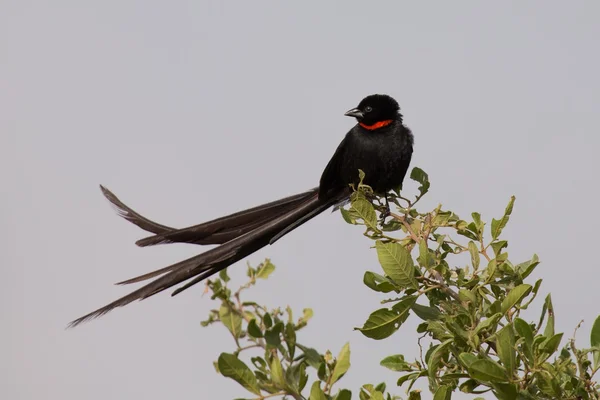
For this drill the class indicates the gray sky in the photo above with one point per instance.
(149, 98)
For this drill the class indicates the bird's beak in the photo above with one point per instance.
(355, 112)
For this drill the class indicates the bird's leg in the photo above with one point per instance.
(386, 212)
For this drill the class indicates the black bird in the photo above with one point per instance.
(379, 144)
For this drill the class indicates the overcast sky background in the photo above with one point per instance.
(191, 109)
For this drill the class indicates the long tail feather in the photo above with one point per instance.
(212, 261)
(130, 215)
(217, 231)
(222, 230)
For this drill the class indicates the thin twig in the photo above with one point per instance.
(421, 348)
(282, 393)
(580, 366)
(397, 217)
(249, 347)
(484, 252)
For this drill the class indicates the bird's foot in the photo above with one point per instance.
(383, 216)
(385, 213)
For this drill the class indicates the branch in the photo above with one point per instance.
(397, 217)
(440, 281)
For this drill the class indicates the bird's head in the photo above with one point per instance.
(376, 111)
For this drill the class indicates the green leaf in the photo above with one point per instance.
(381, 387)
(410, 377)
(365, 211)
(303, 377)
(595, 340)
(277, 372)
(425, 258)
(223, 275)
(498, 225)
(487, 370)
(361, 176)
(232, 367)
(259, 363)
(378, 283)
(348, 216)
(392, 225)
(468, 386)
(366, 391)
(265, 269)
(414, 395)
(525, 331)
(383, 322)
(551, 344)
(395, 363)
(475, 260)
(418, 175)
(230, 319)
(477, 222)
(322, 371)
(405, 304)
(342, 364)
(442, 393)
(267, 320)
(536, 288)
(426, 313)
(254, 329)
(548, 384)
(505, 347)
(377, 395)
(490, 271)
(549, 331)
(343, 394)
(290, 314)
(397, 263)
(488, 324)
(289, 336)
(467, 233)
(498, 245)
(313, 358)
(294, 376)
(273, 335)
(515, 297)
(438, 330)
(453, 376)
(457, 328)
(436, 357)
(526, 268)
(595, 333)
(467, 359)
(442, 218)
(316, 393)
(467, 296)
(506, 391)
(307, 314)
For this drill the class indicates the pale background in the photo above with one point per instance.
(192, 109)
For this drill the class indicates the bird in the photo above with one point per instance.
(379, 144)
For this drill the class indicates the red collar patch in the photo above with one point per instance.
(376, 125)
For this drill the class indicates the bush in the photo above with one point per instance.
(478, 342)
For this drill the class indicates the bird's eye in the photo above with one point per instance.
(368, 109)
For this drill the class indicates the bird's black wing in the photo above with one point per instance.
(332, 188)
(331, 182)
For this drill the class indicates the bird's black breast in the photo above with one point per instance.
(383, 154)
